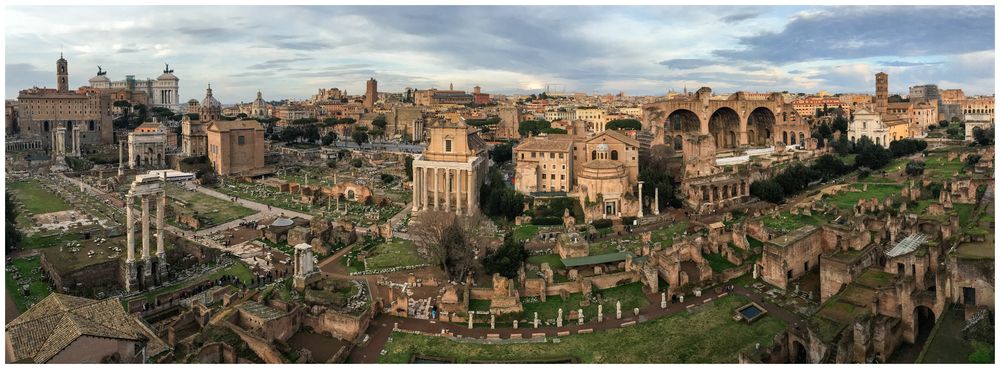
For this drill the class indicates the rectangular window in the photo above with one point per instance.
(241, 140)
(532, 155)
(552, 155)
(543, 175)
(560, 155)
(447, 145)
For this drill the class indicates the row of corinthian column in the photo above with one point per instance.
(427, 180)
(130, 225)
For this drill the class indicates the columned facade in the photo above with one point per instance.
(448, 186)
(147, 271)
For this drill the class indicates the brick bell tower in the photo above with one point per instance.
(62, 74)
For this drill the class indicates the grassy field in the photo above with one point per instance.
(214, 210)
(847, 199)
(37, 287)
(939, 168)
(665, 235)
(718, 262)
(630, 295)
(555, 262)
(396, 252)
(38, 241)
(787, 222)
(37, 199)
(525, 232)
(706, 335)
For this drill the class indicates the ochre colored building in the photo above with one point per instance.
(236, 147)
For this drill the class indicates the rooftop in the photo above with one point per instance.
(596, 259)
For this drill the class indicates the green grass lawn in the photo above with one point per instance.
(36, 198)
(395, 253)
(787, 222)
(939, 168)
(525, 232)
(37, 287)
(718, 262)
(555, 262)
(665, 235)
(480, 305)
(216, 211)
(630, 295)
(881, 191)
(38, 240)
(706, 335)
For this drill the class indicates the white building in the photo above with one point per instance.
(593, 115)
(162, 92)
(973, 121)
(867, 124)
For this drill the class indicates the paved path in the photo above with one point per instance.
(382, 327)
(249, 204)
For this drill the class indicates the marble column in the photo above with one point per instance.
(129, 230)
(470, 191)
(656, 201)
(121, 158)
(640, 200)
(448, 186)
(437, 188)
(416, 189)
(458, 191)
(161, 208)
(145, 227)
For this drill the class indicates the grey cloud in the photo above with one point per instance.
(277, 63)
(739, 17)
(902, 63)
(687, 63)
(860, 32)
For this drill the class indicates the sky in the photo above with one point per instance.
(290, 52)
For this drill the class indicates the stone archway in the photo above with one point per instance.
(678, 123)
(723, 126)
(923, 322)
(760, 122)
(799, 353)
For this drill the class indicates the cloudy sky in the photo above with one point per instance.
(290, 52)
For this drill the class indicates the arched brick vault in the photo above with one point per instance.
(734, 122)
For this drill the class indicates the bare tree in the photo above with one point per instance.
(448, 241)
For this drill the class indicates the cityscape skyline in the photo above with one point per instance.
(637, 50)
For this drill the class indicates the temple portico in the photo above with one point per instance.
(146, 271)
(448, 174)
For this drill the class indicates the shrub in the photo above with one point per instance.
(546, 221)
(601, 223)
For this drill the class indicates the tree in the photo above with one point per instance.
(408, 165)
(842, 146)
(767, 190)
(387, 178)
(915, 168)
(242, 116)
(533, 127)
(502, 153)
(447, 240)
(332, 163)
(840, 124)
(984, 137)
(496, 199)
(360, 137)
(507, 259)
(291, 134)
(624, 124)
(871, 155)
(906, 147)
(12, 239)
(357, 162)
(380, 122)
(329, 138)
(830, 167)
(311, 133)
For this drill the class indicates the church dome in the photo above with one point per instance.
(209, 101)
(192, 101)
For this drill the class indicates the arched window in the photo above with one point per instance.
(91, 125)
(802, 138)
(45, 126)
(678, 142)
(784, 137)
(732, 139)
(593, 155)
(614, 154)
(793, 138)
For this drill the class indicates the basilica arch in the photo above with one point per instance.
(760, 127)
(724, 126)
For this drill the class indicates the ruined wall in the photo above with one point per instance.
(339, 324)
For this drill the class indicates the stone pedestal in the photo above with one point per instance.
(536, 320)
(559, 319)
(600, 313)
(618, 310)
(471, 315)
(579, 316)
(663, 300)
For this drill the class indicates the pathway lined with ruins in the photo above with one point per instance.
(383, 325)
(261, 208)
